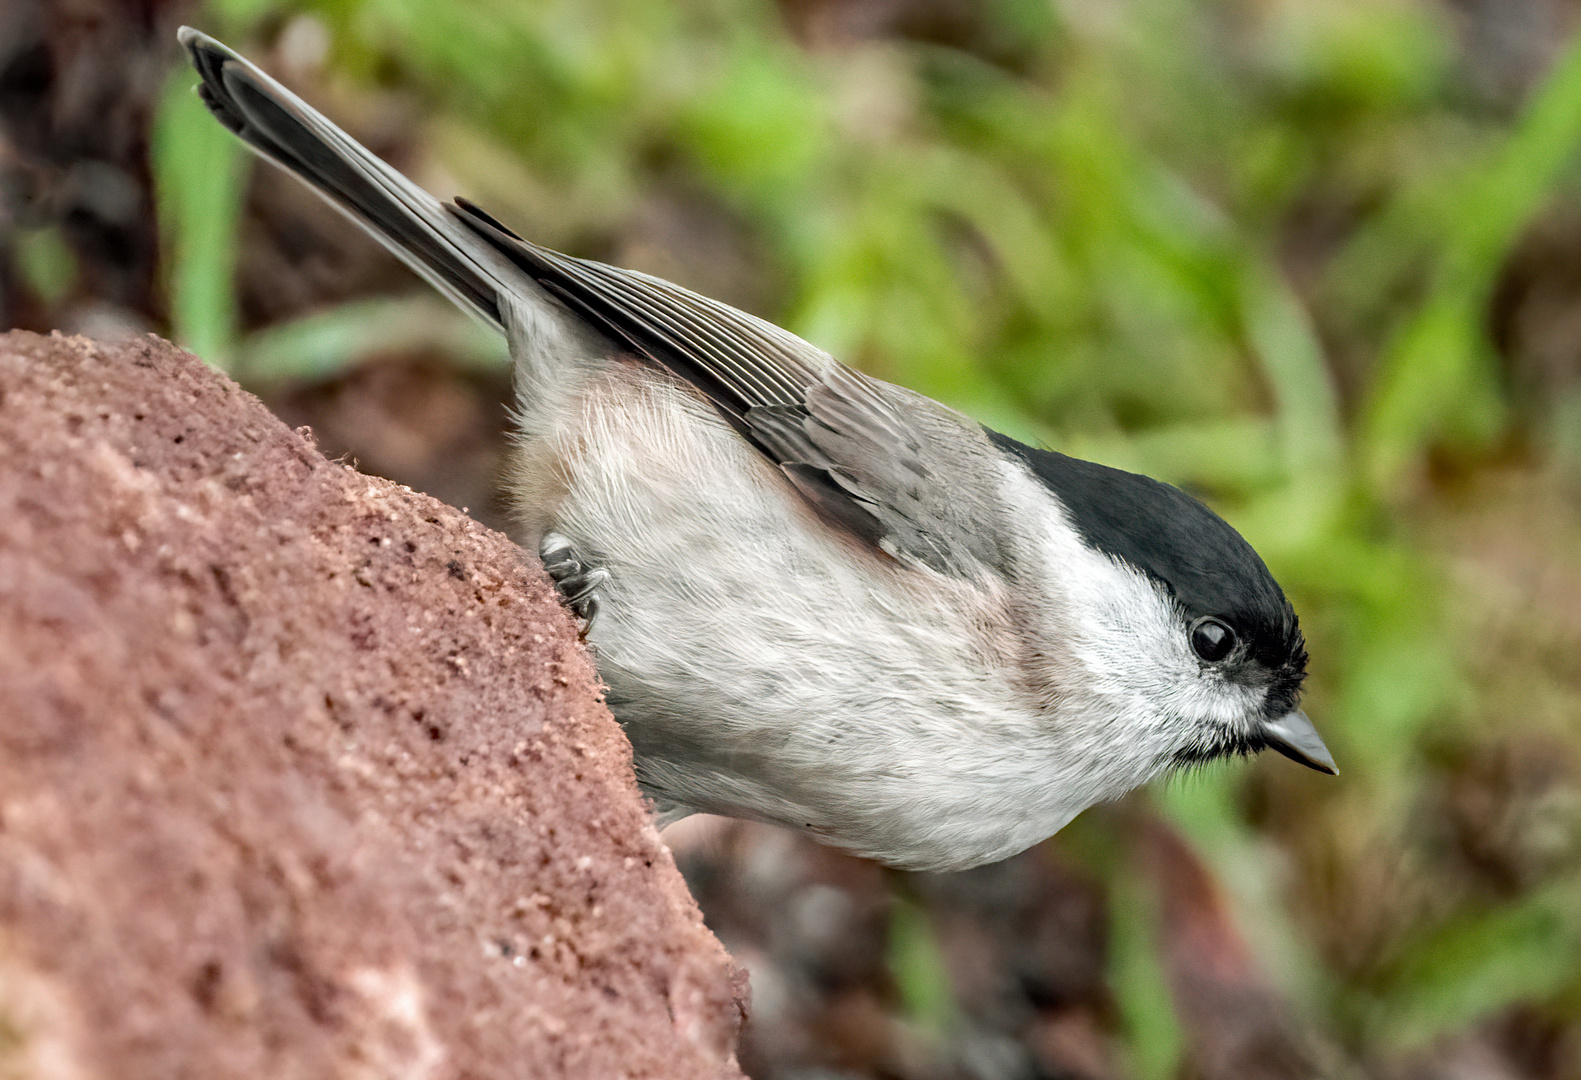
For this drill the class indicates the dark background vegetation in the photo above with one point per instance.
(1317, 260)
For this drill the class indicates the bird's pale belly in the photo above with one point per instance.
(764, 669)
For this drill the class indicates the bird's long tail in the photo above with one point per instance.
(426, 234)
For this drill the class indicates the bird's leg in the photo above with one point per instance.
(577, 583)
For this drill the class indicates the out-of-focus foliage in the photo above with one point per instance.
(199, 168)
(1252, 248)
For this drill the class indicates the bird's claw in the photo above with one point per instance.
(577, 583)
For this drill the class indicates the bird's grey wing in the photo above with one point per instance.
(892, 467)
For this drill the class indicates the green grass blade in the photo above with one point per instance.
(198, 179)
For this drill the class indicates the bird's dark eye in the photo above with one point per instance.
(1211, 639)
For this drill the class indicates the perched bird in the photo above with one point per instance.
(818, 599)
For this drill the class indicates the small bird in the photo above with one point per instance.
(817, 599)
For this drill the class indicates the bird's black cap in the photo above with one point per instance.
(1206, 565)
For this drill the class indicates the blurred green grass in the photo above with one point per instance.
(198, 172)
(1247, 250)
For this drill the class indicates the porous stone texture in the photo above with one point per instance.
(303, 774)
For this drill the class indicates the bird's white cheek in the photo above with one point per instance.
(1126, 634)
(1137, 666)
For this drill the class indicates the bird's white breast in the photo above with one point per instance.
(766, 665)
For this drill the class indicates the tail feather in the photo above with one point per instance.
(402, 216)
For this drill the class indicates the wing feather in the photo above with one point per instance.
(894, 468)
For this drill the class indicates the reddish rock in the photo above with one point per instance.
(301, 773)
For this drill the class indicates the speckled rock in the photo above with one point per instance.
(303, 774)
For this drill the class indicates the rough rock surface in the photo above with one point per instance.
(303, 774)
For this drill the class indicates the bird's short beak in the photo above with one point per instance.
(1294, 736)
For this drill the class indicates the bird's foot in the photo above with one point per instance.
(577, 583)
